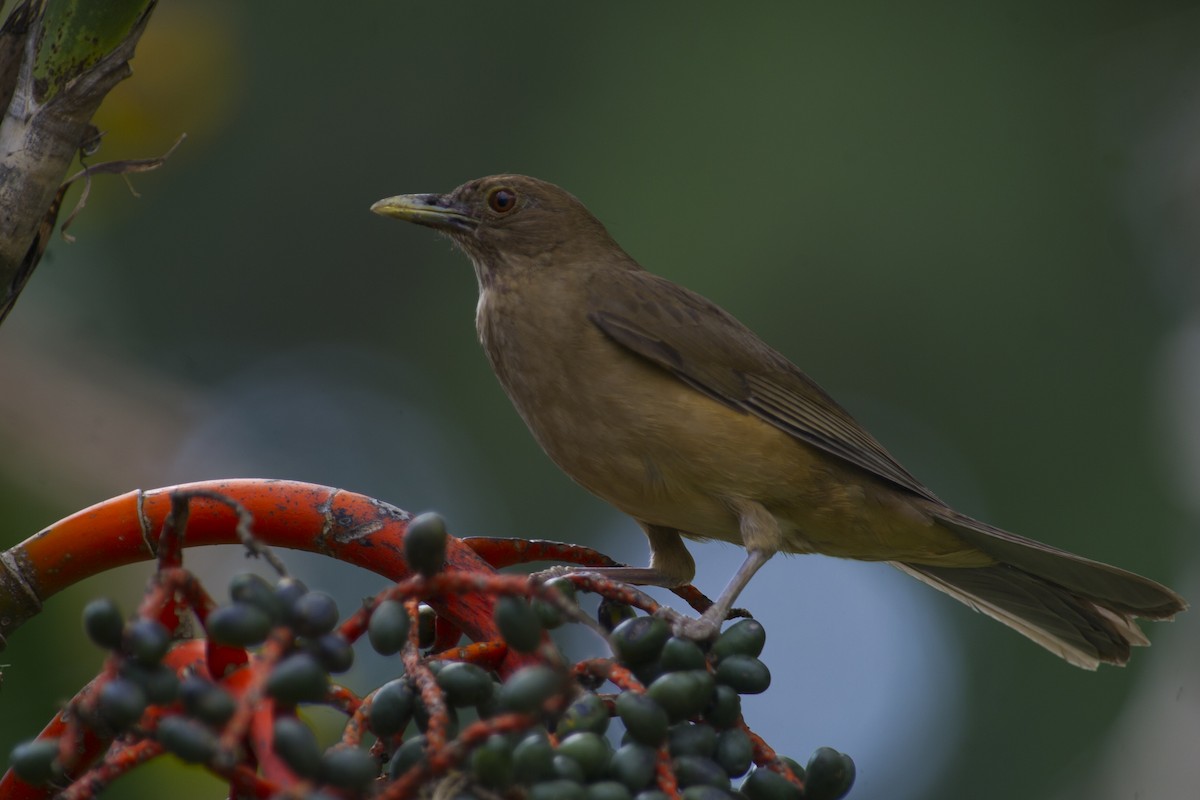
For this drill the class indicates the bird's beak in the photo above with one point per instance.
(430, 210)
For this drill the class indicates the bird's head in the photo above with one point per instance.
(507, 223)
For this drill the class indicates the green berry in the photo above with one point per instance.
(681, 654)
(188, 739)
(829, 775)
(586, 712)
(528, 688)
(734, 752)
(634, 765)
(648, 673)
(611, 614)
(702, 791)
(686, 739)
(425, 544)
(206, 701)
(348, 768)
(559, 789)
(239, 625)
(549, 613)
(314, 614)
(568, 768)
(407, 756)
(35, 761)
(297, 745)
(388, 627)
(254, 590)
(146, 640)
(518, 623)
(565, 587)
(725, 708)
(121, 703)
(490, 706)
(492, 763)
(103, 623)
(333, 651)
(590, 750)
(392, 708)
(426, 626)
(608, 790)
(298, 678)
(159, 682)
(287, 591)
(744, 674)
(639, 640)
(744, 638)
(699, 771)
(682, 694)
(644, 719)
(465, 684)
(533, 759)
(763, 784)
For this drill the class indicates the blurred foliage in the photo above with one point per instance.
(926, 208)
(186, 79)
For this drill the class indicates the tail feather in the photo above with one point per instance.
(1079, 609)
(1118, 590)
(1075, 628)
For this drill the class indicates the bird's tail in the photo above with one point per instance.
(1079, 609)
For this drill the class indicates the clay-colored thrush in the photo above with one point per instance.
(658, 401)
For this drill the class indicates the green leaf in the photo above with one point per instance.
(78, 33)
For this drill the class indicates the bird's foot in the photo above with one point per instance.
(699, 629)
(558, 571)
(703, 628)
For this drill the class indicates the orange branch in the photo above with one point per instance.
(124, 530)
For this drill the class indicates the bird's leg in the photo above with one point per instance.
(671, 565)
(709, 624)
(763, 539)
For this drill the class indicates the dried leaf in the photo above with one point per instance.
(122, 167)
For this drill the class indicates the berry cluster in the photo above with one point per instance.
(509, 718)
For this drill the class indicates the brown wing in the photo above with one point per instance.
(711, 351)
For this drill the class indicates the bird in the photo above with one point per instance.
(661, 403)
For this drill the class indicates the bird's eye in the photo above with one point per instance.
(502, 201)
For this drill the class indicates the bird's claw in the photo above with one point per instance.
(699, 629)
(550, 573)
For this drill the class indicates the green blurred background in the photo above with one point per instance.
(974, 224)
